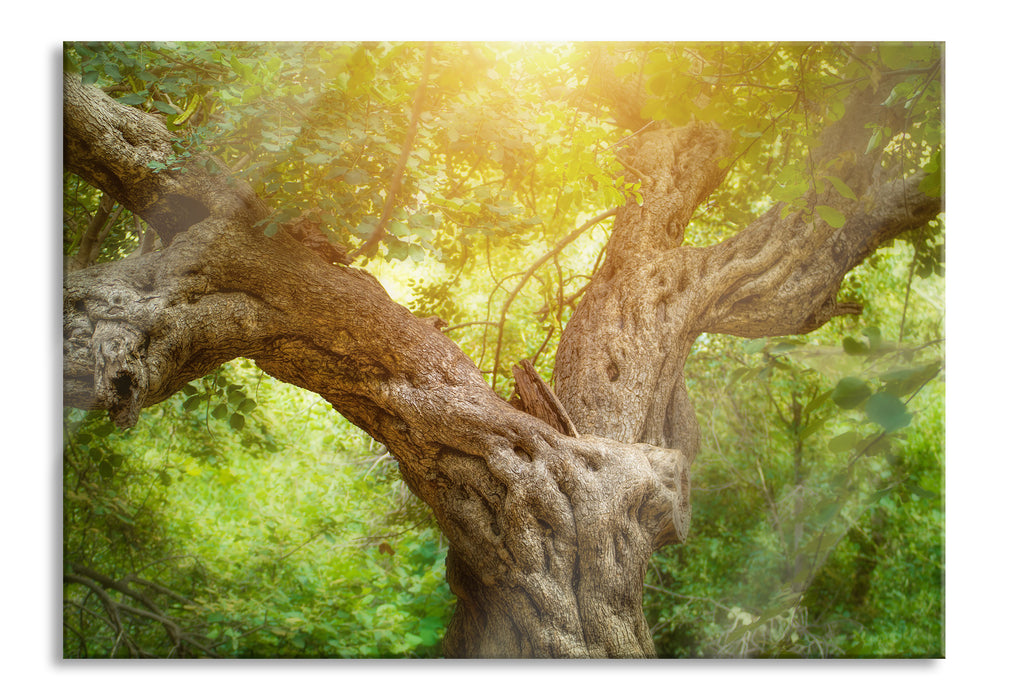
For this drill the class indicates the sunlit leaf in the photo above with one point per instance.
(831, 215)
(843, 442)
(874, 140)
(841, 187)
(247, 406)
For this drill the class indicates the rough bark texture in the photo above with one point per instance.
(550, 530)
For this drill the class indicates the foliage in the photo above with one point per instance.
(264, 525)
(268, 549)
(818, 498)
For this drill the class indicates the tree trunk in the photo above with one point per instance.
(550, 533)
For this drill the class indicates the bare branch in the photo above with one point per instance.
(531, 270)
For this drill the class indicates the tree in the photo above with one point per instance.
(553, 502)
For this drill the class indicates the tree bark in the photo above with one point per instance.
(550, 531)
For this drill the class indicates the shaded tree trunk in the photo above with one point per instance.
(550, 533)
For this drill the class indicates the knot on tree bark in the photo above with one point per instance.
(121, 379)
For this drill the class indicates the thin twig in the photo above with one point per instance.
(532, 269)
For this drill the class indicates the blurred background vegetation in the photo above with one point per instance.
(245, 518)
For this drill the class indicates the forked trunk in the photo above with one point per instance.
(551, 522)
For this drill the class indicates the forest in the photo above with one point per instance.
(458, 349)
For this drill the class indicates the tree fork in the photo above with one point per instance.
(550, 534)
(539, 515)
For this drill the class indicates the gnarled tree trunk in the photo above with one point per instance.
(550, 530)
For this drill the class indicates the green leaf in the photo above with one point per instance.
(192, 402)
(827, 513)
(398, 250)
(931, 184)
(240, 68)
(817, 401)
(850, 392)
(813, 427)
(220, 411)
(854, 347)
(874, 141)
(105, 469)
(112, 71)
(247, 406)
(903, 380)
(70, 64)
(237, 421)
(165, 108)
(831, 215)
(737, 374)
(843, 442)
(752, 347)
(104, 430)
(841, 188)
(888, 412)
(879, 444)
(251, 94)
(416, 253)
(399, 229)
(134, 98)
(900, 374)
(897, 55)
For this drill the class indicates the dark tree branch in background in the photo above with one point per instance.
(117, 612)
(91, 242)
(368, 247)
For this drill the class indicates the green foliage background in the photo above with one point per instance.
(260, 524)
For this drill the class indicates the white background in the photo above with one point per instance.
(976, 456)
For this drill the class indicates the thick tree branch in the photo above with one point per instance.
(129, 155)
(620, 361)
(782, 277)
(506, 488)
(678, 170)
